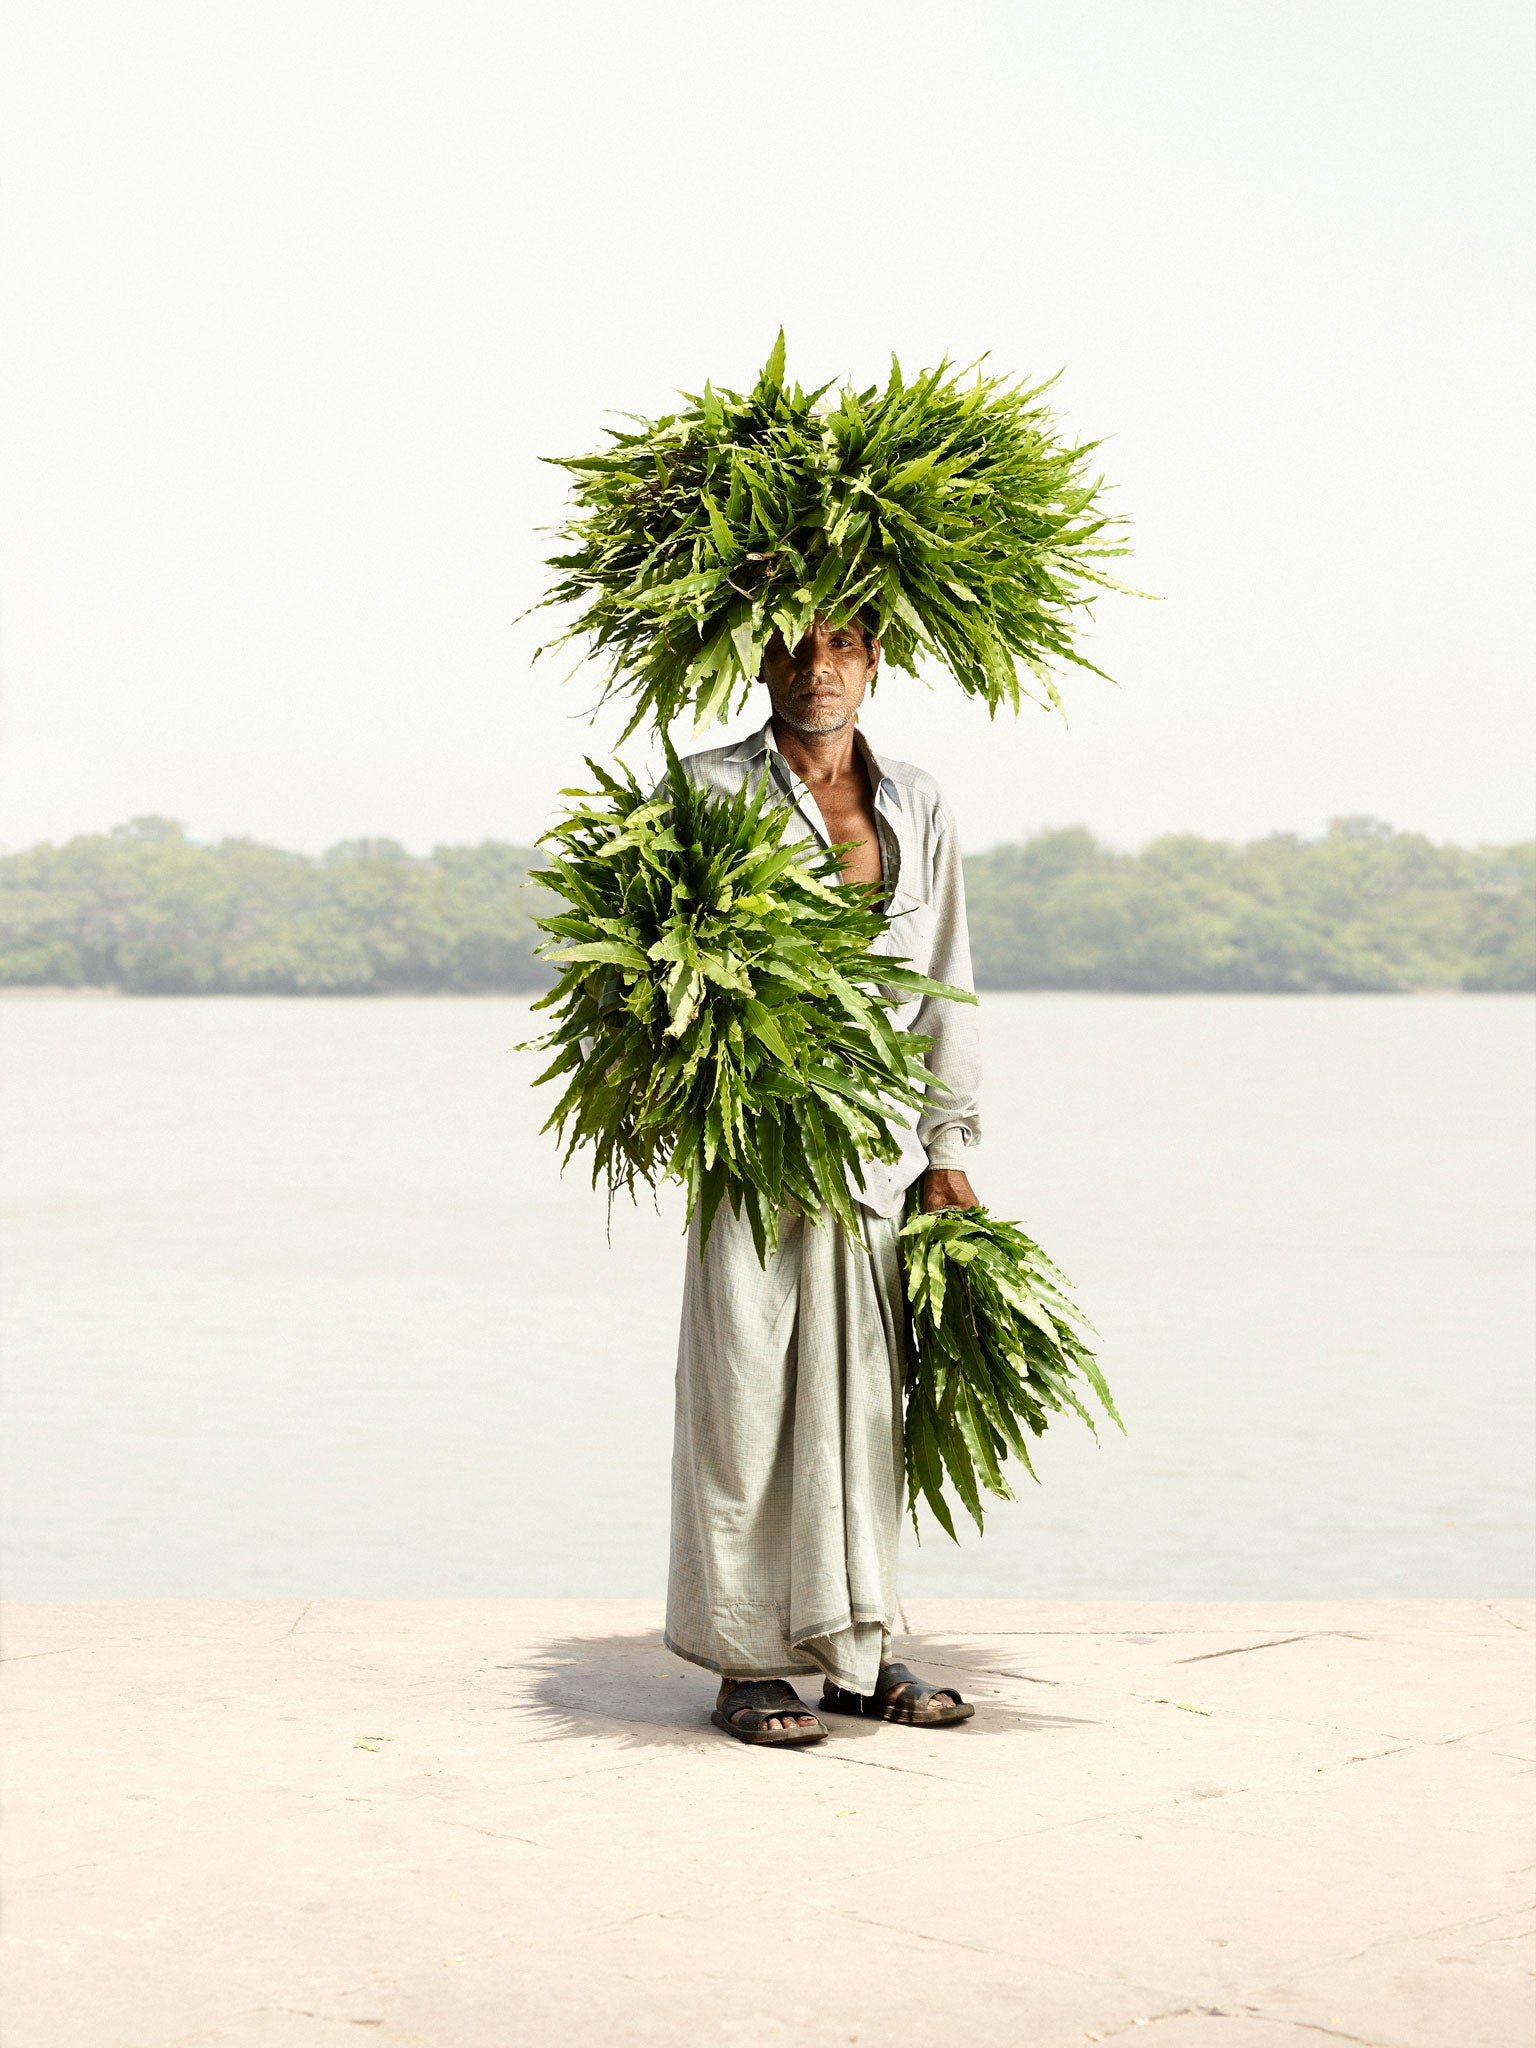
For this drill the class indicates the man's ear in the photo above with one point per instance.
(874, 655)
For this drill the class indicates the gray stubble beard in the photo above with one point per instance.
(807, 731)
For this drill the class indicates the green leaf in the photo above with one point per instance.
(994, 1350)
(724, 539)
(953, 501)
(725, 1030)
(602, 949)
(762, 1026)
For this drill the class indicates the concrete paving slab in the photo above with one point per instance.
(482, 1824)
(1398, 1990)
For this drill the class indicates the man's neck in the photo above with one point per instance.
(817, 756)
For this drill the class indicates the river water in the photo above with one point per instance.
(298, 1303)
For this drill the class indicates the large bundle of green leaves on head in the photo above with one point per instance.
(946, 511)
(998, 1348)
(720, 1016)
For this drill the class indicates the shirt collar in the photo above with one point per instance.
(760, 743)
(753, 747)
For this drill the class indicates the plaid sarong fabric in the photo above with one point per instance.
(787, 1460)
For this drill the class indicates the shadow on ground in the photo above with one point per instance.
(632, 1690)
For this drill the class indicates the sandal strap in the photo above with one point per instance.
(894, 1676)
(758, 1692)
(768, 1699)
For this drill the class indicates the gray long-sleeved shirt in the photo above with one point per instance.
(925, 889)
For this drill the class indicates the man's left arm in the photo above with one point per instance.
(951, 1120)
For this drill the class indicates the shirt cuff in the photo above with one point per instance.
(947, 1148)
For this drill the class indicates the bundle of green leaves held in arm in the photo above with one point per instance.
(947, 508)
(998, 1347)
(720, 1017)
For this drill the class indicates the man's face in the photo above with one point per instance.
(819, 687)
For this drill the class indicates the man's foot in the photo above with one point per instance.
(889, 1687)
(764, 1710)
(773, 1722)
(900, 1695)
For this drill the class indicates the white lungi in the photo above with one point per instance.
(787, 1475)
(787, 1479)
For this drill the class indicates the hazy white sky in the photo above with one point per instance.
(298, 294)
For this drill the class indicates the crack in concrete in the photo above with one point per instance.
(1472, 1735)
(1277, 1643)
(990, 1671)
(1318, 2027)
(814, 1754)
(632, 1760)
(1278, 2019)
(1495, 1940)
(1178, 2012)
(975, 1948)
(252, 2012)
(1395, 1938)
(494, 1834)
(1508, 1619)
(1227, 2012)
(331, 2019)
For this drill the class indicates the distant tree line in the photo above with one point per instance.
(146, 910)
(1362, 908)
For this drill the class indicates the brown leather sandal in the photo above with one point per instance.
(902, 1696)
(765, 1699)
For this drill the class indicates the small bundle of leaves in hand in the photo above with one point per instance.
(721, 1017)
(998, 1347)
(947, 511)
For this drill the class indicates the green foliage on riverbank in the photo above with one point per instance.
(1362, 908)
(147, 910)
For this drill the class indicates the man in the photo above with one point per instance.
(787, 1490)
